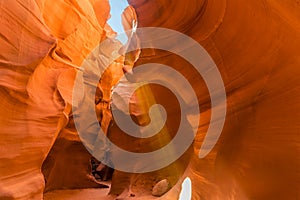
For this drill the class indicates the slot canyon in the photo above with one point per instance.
(92, 91)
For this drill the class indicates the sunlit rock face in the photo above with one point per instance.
(255, 45)
(43, 43)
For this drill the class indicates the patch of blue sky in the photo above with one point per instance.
(116, 9)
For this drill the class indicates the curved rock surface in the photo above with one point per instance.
(255, 45)
(42, 43)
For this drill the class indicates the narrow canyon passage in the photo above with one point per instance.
(198, 99)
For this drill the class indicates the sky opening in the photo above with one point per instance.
(117, 7)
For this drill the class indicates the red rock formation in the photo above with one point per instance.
(43, 42)
(255, 45)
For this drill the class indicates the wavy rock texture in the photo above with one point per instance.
(42, 42)
(255, 45)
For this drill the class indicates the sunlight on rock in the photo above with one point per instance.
(46, 45)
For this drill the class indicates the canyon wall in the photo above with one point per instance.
(255, 45)
(43, 45)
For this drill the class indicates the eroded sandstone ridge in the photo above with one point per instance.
(255, 45)
(43, 44)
